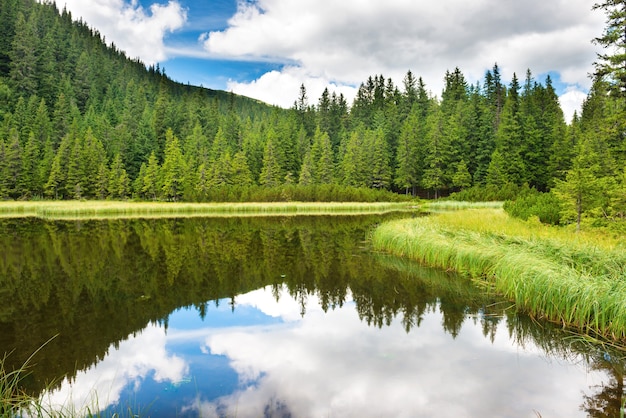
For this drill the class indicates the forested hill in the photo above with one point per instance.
(81, 120)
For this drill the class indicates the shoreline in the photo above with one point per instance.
(550, 273)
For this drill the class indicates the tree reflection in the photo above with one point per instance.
(94, 283)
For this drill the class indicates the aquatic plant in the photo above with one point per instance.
(574, 279)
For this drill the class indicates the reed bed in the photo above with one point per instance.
(127, 209)
(578, 280)
(441, 205)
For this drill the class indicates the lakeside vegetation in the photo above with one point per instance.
(576, 279)
(126, 209)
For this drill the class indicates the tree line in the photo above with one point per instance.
(81, 120)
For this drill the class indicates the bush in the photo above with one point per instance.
(545, 206)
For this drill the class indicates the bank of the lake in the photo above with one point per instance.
(106, 209)
(577, 279)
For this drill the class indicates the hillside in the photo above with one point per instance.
(82, 120)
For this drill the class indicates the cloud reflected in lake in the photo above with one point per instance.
(135, 359)
(332, 364)
(329, 364)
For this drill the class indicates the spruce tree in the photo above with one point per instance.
(613, 63)
(173, 169)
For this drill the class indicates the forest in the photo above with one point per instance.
(80, 120)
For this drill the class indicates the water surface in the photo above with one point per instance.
(275, 317)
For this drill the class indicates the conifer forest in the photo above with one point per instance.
(80, 120)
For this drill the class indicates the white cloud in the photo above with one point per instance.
(571, 102)
(102, 385)
(136, 31)
(281, 88)
(332, 364)
(345, 42)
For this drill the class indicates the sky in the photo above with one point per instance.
(267, 48)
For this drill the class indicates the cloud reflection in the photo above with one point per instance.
(334, 365)
(135, 359)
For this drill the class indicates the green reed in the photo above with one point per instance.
(128, 209)
(575, 279)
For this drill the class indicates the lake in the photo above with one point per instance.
(276, 317)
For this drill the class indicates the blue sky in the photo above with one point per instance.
(266, 48)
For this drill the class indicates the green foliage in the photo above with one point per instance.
(546, 272)
(545, 206)
(584, 189)
(86, 103)
(613, 63)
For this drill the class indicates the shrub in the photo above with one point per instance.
(545, 206)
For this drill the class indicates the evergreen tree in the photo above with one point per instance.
(322, 159)
(271, 174)
(13, 164)
(613, 63)
(173, 168)
(462, 177)
(509, 138)
(407, 164)
(438, 155)
(3, 170)
(241, 175)
(30, 182)
(378, 158)
(23, 56)
(306, 171)
(583, 188)
(497, 171)
(119, 182)
(151, 179)
(8, 16)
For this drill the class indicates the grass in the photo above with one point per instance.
(443, 205)
(14, 401)
(578, 280)
(127, 209)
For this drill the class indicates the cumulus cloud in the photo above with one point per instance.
(281, 88)
(345, 42)
(136, 31)
(571, 102)
(332, 364)
(130, 363)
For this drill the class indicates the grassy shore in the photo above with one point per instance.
(127, 209)
(577, 279)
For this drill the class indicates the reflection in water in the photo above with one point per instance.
(164, 316)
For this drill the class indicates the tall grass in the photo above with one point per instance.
(126, 209)
(440, 205)
(578, 280)
(14, 401)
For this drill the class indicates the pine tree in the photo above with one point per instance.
(306, 171)
(173, 169)
(30, 181)
(151, 179)
(322, 159)
(23, 55)
(462, 177)
(8, 16)
(241, 175)
(583, 186)
(102, 181)
(271, 174)
(13, 164)
(119, 182)
(378, 157)
(437, 157)
(509, 137)
(613, 63)
(407, 164)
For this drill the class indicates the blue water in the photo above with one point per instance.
(265, 359)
